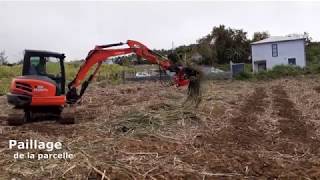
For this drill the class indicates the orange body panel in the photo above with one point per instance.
(48, 101)
(43, 93)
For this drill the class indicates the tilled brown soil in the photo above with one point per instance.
(254, 130)
(292, 124)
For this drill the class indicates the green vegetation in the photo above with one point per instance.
(3, 58)
(277, 72)
(313, 54)
(222, 45)
(244, 76)
(6, 74)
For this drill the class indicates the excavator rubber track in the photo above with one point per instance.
(16, 117)
(68, 115)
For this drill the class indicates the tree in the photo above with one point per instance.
(220, 46)
(313, 52)
(3, 58)
(207, 52)
(174, 57)
(182, 54)
(234, 55)
(308, 38)
(257, 36)
(230, 44)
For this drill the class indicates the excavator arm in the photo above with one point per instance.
(103, 52)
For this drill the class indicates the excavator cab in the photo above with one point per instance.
(41, 88)
(46, 66)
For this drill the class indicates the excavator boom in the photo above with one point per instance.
(101, 53)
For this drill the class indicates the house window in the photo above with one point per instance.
(292, 61)
(274, 50)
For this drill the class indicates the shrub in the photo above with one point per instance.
(4, 85)
(312, 68)
(283, 70)
(280, 71)
(276, 72)
(243, 76)
(9, 72)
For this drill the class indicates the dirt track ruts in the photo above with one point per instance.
(245, 131)
(292, 125)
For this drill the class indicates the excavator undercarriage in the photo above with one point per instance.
(63, 115)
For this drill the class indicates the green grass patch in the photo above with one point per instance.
(277, 72)
(6, 75)
(244, 76)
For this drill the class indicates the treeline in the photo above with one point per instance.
(220, 46)
(224, 44)
(3, 58)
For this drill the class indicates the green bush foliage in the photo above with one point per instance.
(6, 74)
(243, 76)
(283, 71)
(277, 72)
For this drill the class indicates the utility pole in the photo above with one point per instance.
(172, 46)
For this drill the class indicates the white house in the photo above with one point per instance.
(278, 50)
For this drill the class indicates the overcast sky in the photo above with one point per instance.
(76, 27)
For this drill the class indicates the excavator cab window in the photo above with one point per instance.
(51, 67)
(37, 66)
(45, 65)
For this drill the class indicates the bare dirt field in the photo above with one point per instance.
(254, 130)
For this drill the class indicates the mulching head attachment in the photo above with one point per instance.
(194, 89)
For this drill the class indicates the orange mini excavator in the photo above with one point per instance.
(40, 91)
